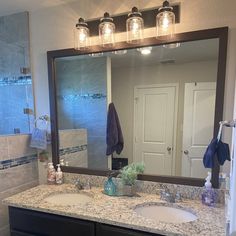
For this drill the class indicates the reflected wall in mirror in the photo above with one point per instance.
(165, 101)
(169, 103)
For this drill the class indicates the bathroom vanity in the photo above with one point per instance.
(38, 223)
(32, 213)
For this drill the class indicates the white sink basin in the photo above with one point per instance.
(69, 199)
(165, 214)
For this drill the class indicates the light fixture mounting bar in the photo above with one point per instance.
(149, 17)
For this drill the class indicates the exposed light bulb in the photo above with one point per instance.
(165, 20)
(134, 26)
(81, 35)
(107, 31)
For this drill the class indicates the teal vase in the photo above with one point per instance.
(109, 187)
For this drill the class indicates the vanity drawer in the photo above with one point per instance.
(29, 222)
(107, 230)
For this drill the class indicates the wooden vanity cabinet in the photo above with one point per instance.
(33, 223)
(108, 230)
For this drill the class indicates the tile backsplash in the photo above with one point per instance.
(18, 171)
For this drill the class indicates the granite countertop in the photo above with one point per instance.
(119, 211)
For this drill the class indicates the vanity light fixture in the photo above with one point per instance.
(107, 31)
(165, 20)
(145, 50)
(134, 26)
(81, 35)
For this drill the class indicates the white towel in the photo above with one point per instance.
(39, 139)
(233, 189)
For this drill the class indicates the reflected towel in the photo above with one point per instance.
(114, 139)
(39, 139)
(223, 152)
(208, 158)
(216, 148)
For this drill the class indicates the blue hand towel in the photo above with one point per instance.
(208, 159)
(223, 153)
(39, 139)
(216, 148)
(114, 139)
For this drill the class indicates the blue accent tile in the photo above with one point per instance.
(17, 161)
(21, 80)
(70, 150)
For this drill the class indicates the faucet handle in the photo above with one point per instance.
(162, 194)
(178, 197)
(78, 184)
(87, 186)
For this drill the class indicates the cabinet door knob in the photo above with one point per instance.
(186, 152)
(169, 149)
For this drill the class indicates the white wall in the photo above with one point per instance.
(51, 28)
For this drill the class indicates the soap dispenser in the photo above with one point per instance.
(209, 195)
(51, 174)
(59, 175)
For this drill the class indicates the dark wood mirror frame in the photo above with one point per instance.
(220, 33)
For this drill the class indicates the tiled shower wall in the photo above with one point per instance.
(73, 147)
(18, 171)
(82, 102)
(15, 83)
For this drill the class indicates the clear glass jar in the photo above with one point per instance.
(134, 26)
(107, 31)
(165, 20)
(81, 35)
(165, 23)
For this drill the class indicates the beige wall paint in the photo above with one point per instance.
(125, 79)
(51, 28)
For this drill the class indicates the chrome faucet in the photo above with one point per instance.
(80, 186)
(170, 197)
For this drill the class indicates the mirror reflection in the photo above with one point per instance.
(164, 97)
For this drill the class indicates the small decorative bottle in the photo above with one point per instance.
(209, 195)
(51, 175)
(59, 175)
(109, 187)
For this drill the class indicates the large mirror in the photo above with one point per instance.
(165, 97)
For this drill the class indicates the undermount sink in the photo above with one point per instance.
(165, 214)
(69, 199)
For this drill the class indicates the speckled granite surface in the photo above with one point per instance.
(119, 211)
(186, 191)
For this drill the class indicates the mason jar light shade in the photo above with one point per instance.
(134, 26)
(107, 31)
(81, 35)
(165, 20)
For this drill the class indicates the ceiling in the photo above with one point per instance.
(8, 7)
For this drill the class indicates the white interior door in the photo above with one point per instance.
(198, 124)
(154, 121)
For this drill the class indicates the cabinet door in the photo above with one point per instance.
(18, 233)
(43, 224)
(107, 230)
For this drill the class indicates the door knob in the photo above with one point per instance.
(169, 149)
(186, 152)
